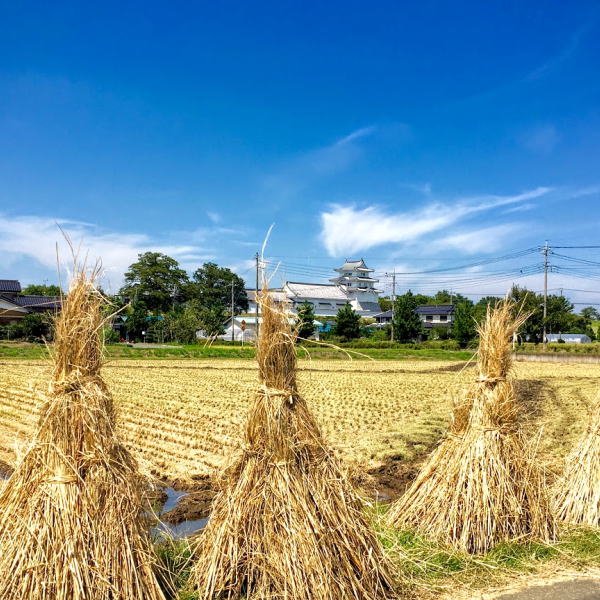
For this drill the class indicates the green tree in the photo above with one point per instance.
(157, 280)
(439, 332)
(41, 290)
(590, 313)
(560, 315)
(579, 324)
(445, 297)
(305, 322)
(347, 323)
(211, 320)
(530, 303)
(385, 303)
(407, 323)
(559, 318)
(463, 326)
(480, 309)
(33, 326)
(110, 335)
(212, 288)
(183, 324)
(135, 318)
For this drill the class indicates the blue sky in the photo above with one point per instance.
(418, 135)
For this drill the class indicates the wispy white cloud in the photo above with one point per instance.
(214, 217)
(422, 188)
(592, 190)
(520, 208)
(485, 239)
(346, 229)
(565, 54)
(541, 139)
(356, 135)
(36, 239)
(298, 172)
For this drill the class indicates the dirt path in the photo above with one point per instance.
(576, 589)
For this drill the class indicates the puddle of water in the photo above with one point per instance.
(184, 529)
(173, 498)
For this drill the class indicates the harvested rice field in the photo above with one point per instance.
(182, 418)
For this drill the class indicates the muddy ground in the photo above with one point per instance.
(384, 484)
(5, 470)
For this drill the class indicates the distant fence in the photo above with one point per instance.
(557, 357)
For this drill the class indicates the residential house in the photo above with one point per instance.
(15, 306)
(436, 315)
(244, 329)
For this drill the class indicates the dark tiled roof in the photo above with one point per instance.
(9, 285)
(10, 299)
(436, 309)
(371, 306)
(387, 314)
(43, 302)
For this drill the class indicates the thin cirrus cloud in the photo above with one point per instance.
(295, 174)
(38, 240)
(346, 229)
(541, 139)
(483, 239)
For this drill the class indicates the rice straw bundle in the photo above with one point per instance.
(71, 525)
(287, 524)
(577, 493)
(480, 486)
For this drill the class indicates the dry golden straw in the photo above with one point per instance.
(287, 524)
(577, 493)
(481, 485)
(71, 526)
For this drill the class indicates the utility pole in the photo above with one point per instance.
(451, 296)
(393, 301)
(393, 275)
(545, 252)
(256, 293)
(232, 314)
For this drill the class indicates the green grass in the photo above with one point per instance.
(10, 350)
(428, 568)
(174, 562)
(422, 563)
(199, 351)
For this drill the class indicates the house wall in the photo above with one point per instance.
(10, 314)
(436, 320)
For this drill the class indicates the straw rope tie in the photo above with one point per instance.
(486, 379)
(270, 392)
(480, 428)
(73, 382)
(487, 428)
(61, 479)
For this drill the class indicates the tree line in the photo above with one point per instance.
(159, 301)
(163, 303)
(560, 317)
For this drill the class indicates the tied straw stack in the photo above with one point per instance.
(287, 524)
(480, 486)
(577, 493)
(71, 526)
